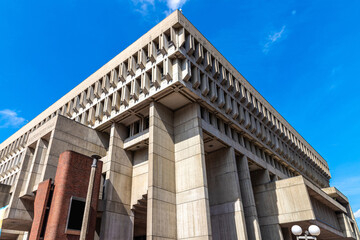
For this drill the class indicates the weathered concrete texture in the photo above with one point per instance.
(117, 219)
(4, 194)
(192, 200)
(252, 221)
(161, 218)
(190, 150)
(226, 207)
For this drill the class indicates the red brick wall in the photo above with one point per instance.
(41, 199)
(72, 178)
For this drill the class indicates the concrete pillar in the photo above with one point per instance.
(161, 208)
(251, 217)
(272, 232)
(117, 219)
(226, 207)
(192, 201)
(260, 177)
(36, 166)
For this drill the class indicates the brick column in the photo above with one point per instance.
(192, 201)
(72, 179)
(161, 208)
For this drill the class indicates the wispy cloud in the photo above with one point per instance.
(273, 38)
(357, 214)
(9, 118)
(142, 6)
(147, 7)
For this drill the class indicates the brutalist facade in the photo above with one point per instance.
(190, 150)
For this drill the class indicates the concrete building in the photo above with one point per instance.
(190, 150)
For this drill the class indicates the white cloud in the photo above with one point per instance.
(175, 4)
(9, 118)
(272, 38)
(148, 7)
(357, 214)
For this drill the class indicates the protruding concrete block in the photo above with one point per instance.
(116, 101)
(105, 86)
(185, 70)
(142, 58)
(125, 95)
(235, 109)
(195, 77)
(90, 95)
(91, 116)
(223, 76)
(173, 35)
(228, 104)
(205, 87)
(76, 106)
(114, 78)
(156, 76)
(213, 92)
(97, 89)
(221, 98)
(99, 111)
(107, 106)
(82, 100)
(152, 51)
(168, 69)
(145, 83)
(69, 108)
(163, 43)
(215, 68)
(199, 53)
(190, 45)
(181, 37)
(135, 89)
(122, 72)
(131, 65)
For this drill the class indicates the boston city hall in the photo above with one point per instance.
(166, 141)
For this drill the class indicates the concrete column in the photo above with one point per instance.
(226, 207)
(192, 201)
(272, 232)
(36, 166)
(161, 208)
(117, 219)
(251, 217)
(260, 177)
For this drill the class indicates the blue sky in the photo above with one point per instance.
(302, 56)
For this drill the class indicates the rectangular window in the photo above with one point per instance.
(146, 122)
(76, 213)
(136, 127)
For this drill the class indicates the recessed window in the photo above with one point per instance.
(146, 122)
(76, 213)
(136, 127)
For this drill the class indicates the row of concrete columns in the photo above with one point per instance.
(189, 195)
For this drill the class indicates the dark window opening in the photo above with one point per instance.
(146, 122)
(46, 215)
(136, 127)
(226, 129)
(76, 214)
